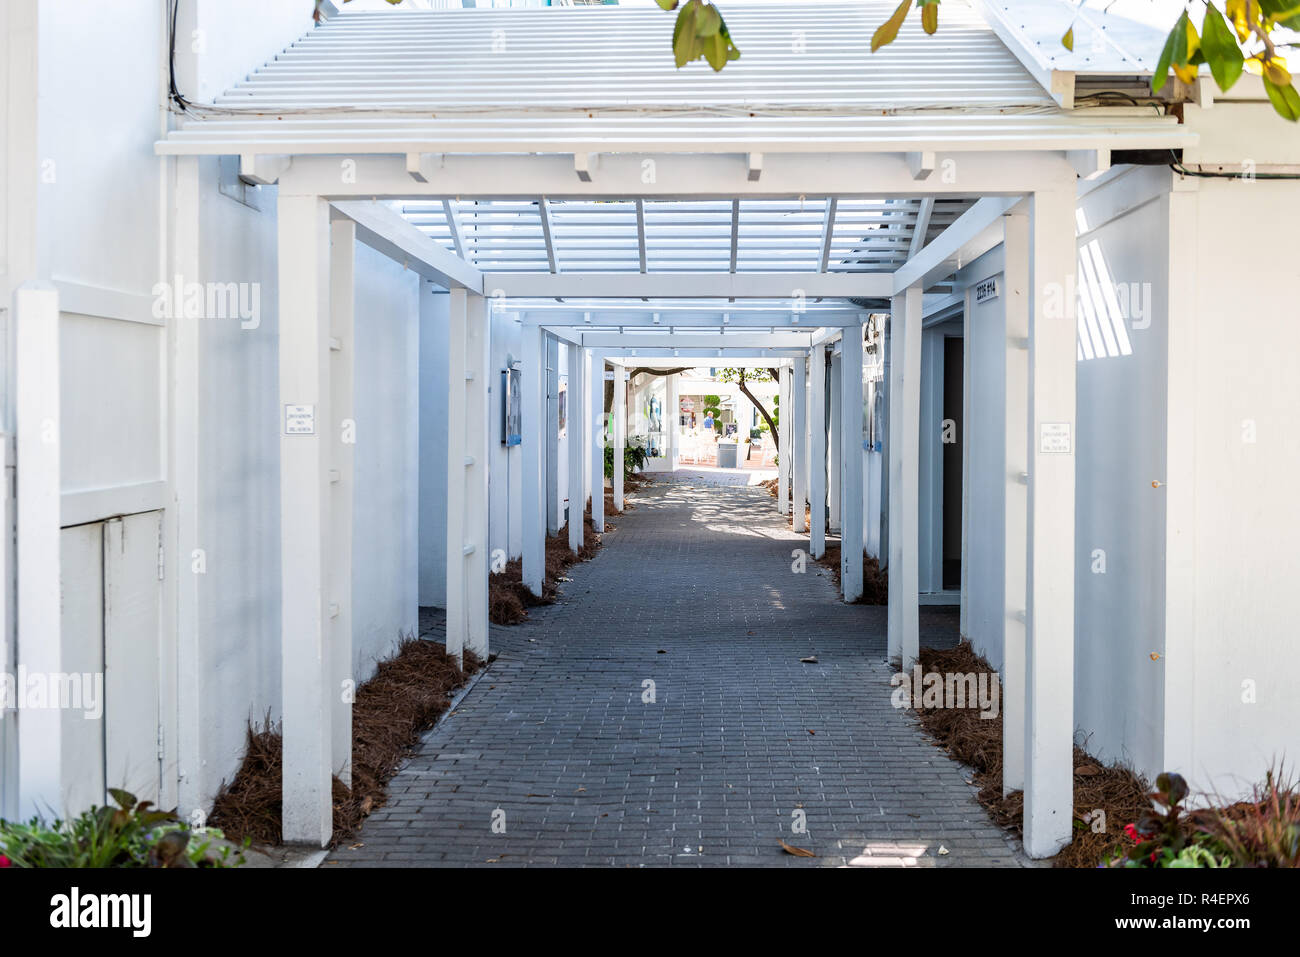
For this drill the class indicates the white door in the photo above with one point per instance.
(82, 598)
(112, 604)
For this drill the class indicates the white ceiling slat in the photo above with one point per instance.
(922, 226)
(544, 211)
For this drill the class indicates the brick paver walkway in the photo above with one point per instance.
(693, 591)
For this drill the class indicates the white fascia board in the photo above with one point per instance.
(736, 340)
(1058, 83)
(386, 231)
(602, 318)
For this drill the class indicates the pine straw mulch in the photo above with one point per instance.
(875, 581)
(405, 698)
(977, 742)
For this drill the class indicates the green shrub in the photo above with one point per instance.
(133, 834)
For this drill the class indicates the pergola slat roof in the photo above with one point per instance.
(602, 78)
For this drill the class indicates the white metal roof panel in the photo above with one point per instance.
(602, 79)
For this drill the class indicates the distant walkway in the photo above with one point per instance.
(563, 746)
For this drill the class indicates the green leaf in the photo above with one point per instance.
(684, 39)
(1067, 41)
(1284, 12)
(1221, 51)
(1175, 51)
(1285, 100)
(930, 16)
(667, 4)
(887, 31)
(708, 21)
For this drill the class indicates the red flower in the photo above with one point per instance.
(5, 862)
(1131, 832)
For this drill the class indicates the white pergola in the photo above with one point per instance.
(551, 163)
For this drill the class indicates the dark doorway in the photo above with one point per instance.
(953, 389)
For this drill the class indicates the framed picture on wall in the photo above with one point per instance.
(511, 414)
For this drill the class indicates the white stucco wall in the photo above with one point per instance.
(385, 552)
(1119, 452)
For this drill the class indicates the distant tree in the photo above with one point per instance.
(742, 378)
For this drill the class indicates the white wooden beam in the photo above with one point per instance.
(692, 175)
(342, 490)
(753, 341)
(383, 229)
(456, 227)
(904, 478)
(1089, 164)
(851, 520)
(735, 234)
(574, 416)
(817, 451)
(532, 480)
(799, 441)
(548, 233)
(570, 285)
(755, 163)
(1049, 662)
(828, 234)
(263, 169)
(584, 164)
(551, 448)
(640, 234)
(921, 164)
(973, 233)
(826, 322)
(923, 214)
(38, 473)
(306, 448)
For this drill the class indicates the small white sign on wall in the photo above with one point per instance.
(300, 420)
(986, 290)
(1054, 437)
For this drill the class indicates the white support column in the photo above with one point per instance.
(850, 399)
(785, 452)
(306, 448)
(799, 441)
(672, 420)
(596, 429)
(577, 441)
(342, 429)
(38, 474)
(1019, 302)
(619, 414)
(833, 469)
(1049, 662)
(817, 451)
(552, 446)
(533, 480)
(467, 474)
(477, 412)
(904, 467)
(967, 378)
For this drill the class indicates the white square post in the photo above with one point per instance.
(596, 428)
(551, 449)
(834, 479)
(785, 453)
(533, 480)
(672, 420)
(619, 415)
(799, 441)
(904, 477)
(817, 451)
(574, 417)
(1019, 303)
(307, 598)
(850, 399)
(467, 474)
(37, 482)
(1049, 660)
(343, 439)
